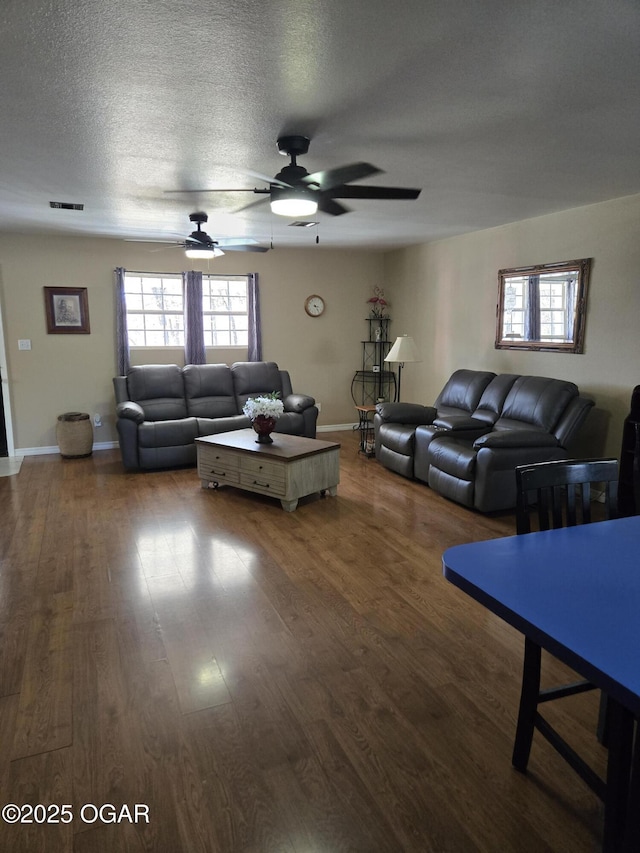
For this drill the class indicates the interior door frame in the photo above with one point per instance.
(6, 395)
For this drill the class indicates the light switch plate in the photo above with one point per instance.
(24, 344)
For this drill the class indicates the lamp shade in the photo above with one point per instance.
(404, 350)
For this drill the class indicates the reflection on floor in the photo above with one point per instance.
(10, 465)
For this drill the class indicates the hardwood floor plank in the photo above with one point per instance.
(45, 709)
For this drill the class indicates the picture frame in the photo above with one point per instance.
(67, 310)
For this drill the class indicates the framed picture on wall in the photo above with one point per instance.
(67, 310)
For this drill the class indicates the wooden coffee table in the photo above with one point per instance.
(288, 469)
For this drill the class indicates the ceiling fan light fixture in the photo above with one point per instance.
(202, 252)
(290, 201)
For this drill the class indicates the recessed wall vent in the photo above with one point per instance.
(301, 223)
(65, 205)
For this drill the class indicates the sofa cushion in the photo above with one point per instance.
(463, 390)
(214, 426)
(492, 401)
(209, 391)
(172, 433)
(252, 378)
(398, 437)
(536, 400)
(457, 458)
(159, 389)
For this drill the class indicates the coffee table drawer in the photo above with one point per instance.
(263, 476)
(214, 464)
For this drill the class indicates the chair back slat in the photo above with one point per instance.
(559, 494)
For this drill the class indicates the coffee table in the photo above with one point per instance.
(288, 469)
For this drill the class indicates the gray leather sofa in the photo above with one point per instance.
(162, 408)
(482, 425)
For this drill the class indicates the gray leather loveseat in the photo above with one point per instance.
(481, 426)
(162, 408)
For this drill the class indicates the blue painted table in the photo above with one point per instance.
(576, 593)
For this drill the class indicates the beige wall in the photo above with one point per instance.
(445, 296)
(74, 372)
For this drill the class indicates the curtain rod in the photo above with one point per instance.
(216, 274)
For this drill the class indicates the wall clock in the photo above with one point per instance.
(314, 305)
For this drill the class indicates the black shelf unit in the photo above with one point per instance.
(373, 383)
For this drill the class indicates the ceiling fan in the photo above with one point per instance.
(200, 245)
(295, 192)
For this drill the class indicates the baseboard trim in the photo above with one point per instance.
(336, 427)
(112, 445)
(43, 451)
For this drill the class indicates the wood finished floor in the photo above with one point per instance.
(299, 682)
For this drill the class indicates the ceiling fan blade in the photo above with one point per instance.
(374, 192)
(252, 204)
(330, 178)
(333, 208)
(215, 190)
(247, 247)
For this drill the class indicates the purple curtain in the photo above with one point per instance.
(570, 297)
(194, 351)
(532, 315)
(254, 350)
(122, 334)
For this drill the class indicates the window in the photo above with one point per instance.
(155, 310)
(225, 311)
(543, 307)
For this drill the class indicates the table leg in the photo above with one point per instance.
(289, 506)
(528, 705)
(632, 828)
(618, 775)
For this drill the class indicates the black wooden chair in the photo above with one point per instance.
(558, 494)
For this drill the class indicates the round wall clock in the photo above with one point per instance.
(314, 305)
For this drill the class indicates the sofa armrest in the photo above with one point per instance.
(131, 411)
(405, 413)
(298, 402)
(516, 438)
(456, 422)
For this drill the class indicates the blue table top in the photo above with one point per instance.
(575, 591)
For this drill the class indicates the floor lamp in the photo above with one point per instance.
(404, 350)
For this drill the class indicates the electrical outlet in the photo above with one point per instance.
(97, 419)
(319, 406)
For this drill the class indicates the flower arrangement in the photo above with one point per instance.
(265, 405)
(378, 304)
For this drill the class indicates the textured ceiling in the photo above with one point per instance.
(499, 111)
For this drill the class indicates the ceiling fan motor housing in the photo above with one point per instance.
(293, 146)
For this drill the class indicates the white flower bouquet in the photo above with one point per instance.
(267, 405)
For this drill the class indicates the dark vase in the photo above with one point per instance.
(264, 426)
